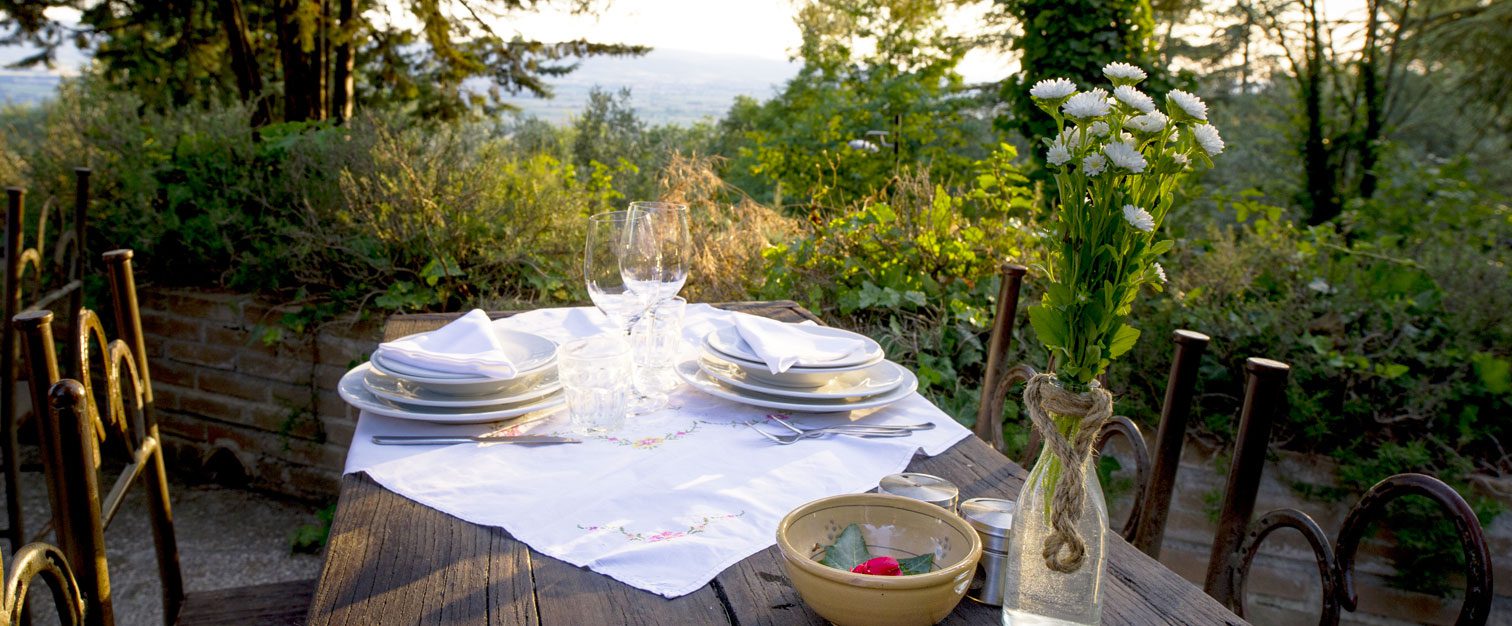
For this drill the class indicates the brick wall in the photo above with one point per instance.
(233, 405)
(228, 403)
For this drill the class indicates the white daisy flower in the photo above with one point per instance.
(1125, 155)
(1052, 89)
(1098, 128)
(1094, 164)
(1207, 137)
(1126, 138)
(1152, 122)
(1087, 105)
(1181, 159)
(1159, 272)
(1139, 218)
(1070, 138)
(1321, 286)
(1134, 98)
(1189, 104)
(1121, 72)
(1058, 154)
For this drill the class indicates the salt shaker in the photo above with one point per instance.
(923, 487)
(993, 520)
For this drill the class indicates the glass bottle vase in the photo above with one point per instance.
(1036, 595)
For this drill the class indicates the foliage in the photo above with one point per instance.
(417, 53)
(852, 120)
(920, 271)
(1073, 39)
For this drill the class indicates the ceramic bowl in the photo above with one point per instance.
(893, 526)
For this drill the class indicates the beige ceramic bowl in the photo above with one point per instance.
(893, 526)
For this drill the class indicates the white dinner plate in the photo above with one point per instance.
(690, 372)
(875, 380)
(405, 392)
(528, 352)
(727, 342)
(355, 394)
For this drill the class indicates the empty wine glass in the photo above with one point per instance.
(669, 225)
(620, 266)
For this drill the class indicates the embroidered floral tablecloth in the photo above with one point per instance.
(663, 505)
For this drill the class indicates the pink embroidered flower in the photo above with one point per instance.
(664, 535)
(880, 566)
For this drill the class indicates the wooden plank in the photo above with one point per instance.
(573, 595)
(391, 560)
(272, 604)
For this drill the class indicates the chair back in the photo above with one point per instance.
(1336, 563)
(31, 561)
(83, 419)
(1145, 524)
(68, 257)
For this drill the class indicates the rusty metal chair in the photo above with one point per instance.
(68, 260)
(122, 416)
(1238, 540)
(1145, 524)
(31, 561)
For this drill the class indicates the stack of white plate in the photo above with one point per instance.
(729, 369)
(385, 387)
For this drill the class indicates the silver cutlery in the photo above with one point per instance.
(820, 432)
(853, 426)
(433, 440)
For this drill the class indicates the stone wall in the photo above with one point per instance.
(235, 406)
(232, 405)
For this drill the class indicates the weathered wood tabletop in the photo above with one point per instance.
(391, 560)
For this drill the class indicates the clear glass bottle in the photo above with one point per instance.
(1036, 595)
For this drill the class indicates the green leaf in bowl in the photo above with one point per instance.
(921, 564)
(848, 551)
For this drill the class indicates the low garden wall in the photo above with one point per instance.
(267, 414)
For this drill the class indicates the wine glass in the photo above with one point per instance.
(669, 225)
(620, 266)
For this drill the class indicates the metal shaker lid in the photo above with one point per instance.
(991, 516)
(926, 487)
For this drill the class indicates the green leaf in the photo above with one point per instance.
(1049, 324)
(1495, 373)
(1123, 340)
(921, 564)
(848, 551)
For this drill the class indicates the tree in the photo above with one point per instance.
(1072, 39)
(878, 91)
(315, 54)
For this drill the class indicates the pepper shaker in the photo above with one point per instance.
(923, 487)
(993, 520)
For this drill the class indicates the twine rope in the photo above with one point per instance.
(1064, 549)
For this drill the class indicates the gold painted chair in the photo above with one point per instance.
(31, 561)
(122, 419)
(67, 261)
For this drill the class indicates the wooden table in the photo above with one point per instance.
(391, 560)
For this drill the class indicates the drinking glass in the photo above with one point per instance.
(620, 266)
(595, 373)
(656, 343)
(669, 225)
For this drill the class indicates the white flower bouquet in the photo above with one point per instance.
(1116, 158)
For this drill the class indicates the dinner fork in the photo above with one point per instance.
(855, 427)
(816, 433)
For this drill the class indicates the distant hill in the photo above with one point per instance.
(26, 87)
(665, 86)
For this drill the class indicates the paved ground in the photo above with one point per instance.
(227, 538)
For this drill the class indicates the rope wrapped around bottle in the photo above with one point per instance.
(1064, 549)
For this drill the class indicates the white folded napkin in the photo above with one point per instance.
(466, 346)
(782, 346)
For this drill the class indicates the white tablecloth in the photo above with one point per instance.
(664, 505)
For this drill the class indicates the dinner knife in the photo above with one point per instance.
(434, 440)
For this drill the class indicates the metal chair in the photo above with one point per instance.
(31, 561)
(1145, 524)
(69, 256)
(1238, 540)
(82, 418)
